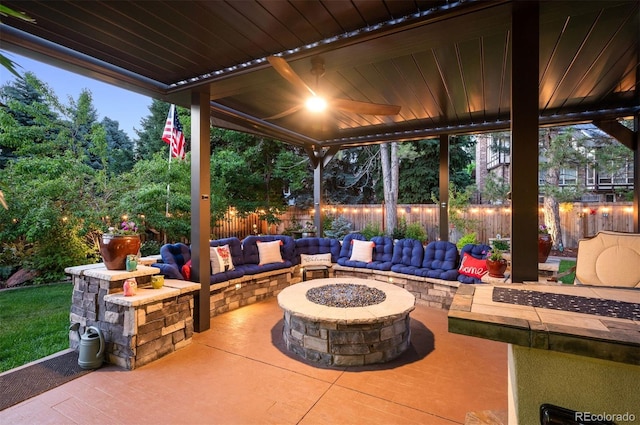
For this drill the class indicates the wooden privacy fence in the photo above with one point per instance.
(578, 220)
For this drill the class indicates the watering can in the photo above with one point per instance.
(91, 348)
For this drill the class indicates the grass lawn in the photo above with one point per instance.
(565, 265)
(34, 323)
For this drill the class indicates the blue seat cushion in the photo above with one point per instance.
(313, 246)
(382, 253)
(252, 255)
(479, 251)
(174, 256)
(440, 261)
(347, 247)
(407, 252)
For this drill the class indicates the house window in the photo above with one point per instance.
(623, 176)
(568, 177)
(498, 153)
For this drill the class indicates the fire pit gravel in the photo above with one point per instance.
(345, 295)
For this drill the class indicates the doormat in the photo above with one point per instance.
(30, 381)
(572, 303)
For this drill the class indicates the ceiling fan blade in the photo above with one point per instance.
(285, 113)
(364, 108)
(283, 68)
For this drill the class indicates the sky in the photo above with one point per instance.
(124, 106)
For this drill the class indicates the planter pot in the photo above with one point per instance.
(544, 247)
(115, 248)
(496, 268)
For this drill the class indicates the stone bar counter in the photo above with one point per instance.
(137, 329)
(576, 347)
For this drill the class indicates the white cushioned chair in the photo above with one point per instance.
(609, 259)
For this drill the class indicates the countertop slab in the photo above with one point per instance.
(612, 333)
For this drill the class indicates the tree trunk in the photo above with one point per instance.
(551, 206)
(390, 176)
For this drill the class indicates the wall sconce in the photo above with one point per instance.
(605, 212)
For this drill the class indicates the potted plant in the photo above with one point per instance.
(117, 243)
(496, 263)
(544, 243)
(309, 230)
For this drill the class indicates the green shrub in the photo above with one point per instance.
(340, 226)
(150, 248)
(416, 231)
(400, 232)
(500, 244)
(467, 239)
(370, 230)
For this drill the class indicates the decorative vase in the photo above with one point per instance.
(131, 263)
(544, 247)
(115, 248)
(496, 268)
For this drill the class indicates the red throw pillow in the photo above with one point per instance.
(186, 270)
(473, 267)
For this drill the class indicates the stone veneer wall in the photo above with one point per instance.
(137, 329)
(335, 344)
(140, 334)
(436, 293)
(236, 293)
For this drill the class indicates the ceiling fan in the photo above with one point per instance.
(315, 101)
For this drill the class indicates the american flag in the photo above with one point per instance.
(173, 134)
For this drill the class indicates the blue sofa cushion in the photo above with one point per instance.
(252, 255)
(382, 253)
(407, 256)
(313, 246)
(228, 275)
(440, 261)
(479, 251)
(347, 247)
(174, 256)
(235, 248)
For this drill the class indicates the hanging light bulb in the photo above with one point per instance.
(316, 104)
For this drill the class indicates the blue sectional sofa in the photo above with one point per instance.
(439, 260)
(431, 273)
(244, 256)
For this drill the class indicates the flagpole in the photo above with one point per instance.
(166, 210)
(172, 135)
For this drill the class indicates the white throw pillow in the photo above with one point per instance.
(269, 252)
(362, 251)
(220, 259)
(315, 260)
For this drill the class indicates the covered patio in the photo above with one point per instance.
(451, 68)
(239, 372)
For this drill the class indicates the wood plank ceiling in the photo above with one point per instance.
(447, 64)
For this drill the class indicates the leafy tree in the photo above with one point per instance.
(46, 212)
(352, 176)
(143, 196)
(150, 136)
(560, 150)
(419, 175)
(29, 126)
(120, 147)
(496, 189)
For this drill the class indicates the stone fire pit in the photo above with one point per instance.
(346, 321)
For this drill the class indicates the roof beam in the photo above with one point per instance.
(618, 131)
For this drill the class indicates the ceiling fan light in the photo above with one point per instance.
(316, 104)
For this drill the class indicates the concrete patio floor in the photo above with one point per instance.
(239, 372)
